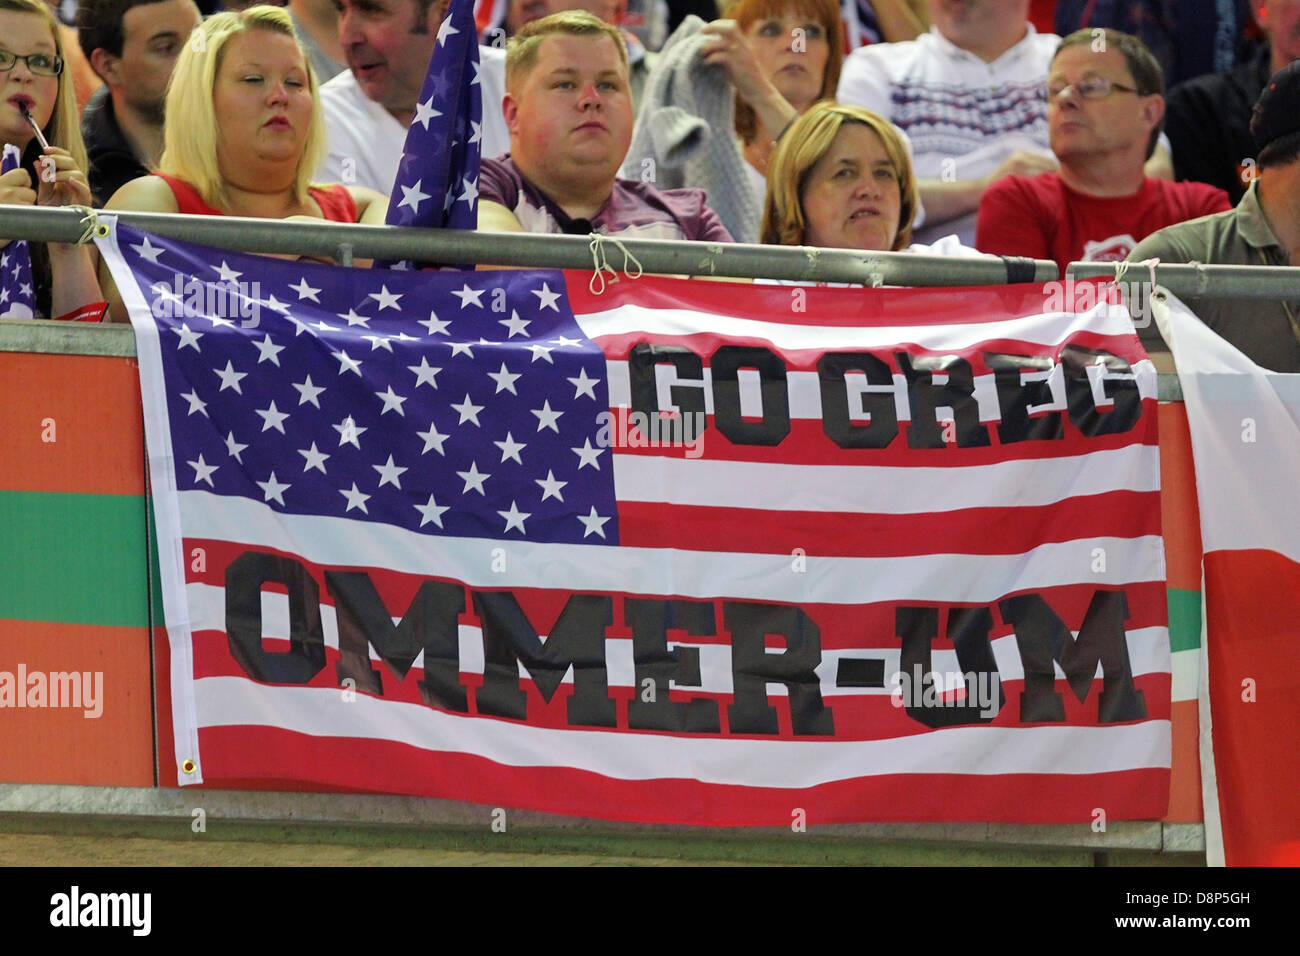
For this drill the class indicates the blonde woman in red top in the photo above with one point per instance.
(244, 132)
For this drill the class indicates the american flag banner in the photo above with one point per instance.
(679, 552)
(437, 178)
(17, 296)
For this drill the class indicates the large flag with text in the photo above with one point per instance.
(1246, 443)
(683, 551)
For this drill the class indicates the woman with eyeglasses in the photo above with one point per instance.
(38, 95)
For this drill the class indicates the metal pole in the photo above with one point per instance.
(394, 243)
(1196, 281)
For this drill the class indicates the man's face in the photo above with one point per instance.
(388, 44)
(153, 36)
(1281, 19)
(966, 22)
(1079, 128)
(571, 117)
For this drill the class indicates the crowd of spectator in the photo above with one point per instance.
(941, 126)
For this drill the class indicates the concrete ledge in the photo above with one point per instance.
(383, 816)
(67, 338)
(1183, 838)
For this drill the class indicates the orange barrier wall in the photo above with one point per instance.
(73, 573)
(1180, 521)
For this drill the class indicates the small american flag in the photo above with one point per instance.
(17, 298)
(437, 178)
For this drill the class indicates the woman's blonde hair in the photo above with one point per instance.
(826, 12)
(808, 139)
(64, 127)
(190, 134)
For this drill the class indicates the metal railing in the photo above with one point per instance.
(342, 242)
(733, 260)
(1196, 281)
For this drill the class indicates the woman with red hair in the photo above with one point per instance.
(723, 93)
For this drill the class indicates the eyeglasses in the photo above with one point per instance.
(42, 64)
(1092, 88)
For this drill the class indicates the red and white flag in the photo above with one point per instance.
(894, 554)
(1246, 444)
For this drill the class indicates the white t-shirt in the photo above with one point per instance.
(948, 245)
(962, 115)
(366, 141)
(492, 78)
(758, 182)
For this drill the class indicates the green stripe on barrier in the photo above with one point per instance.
(73, 558)
(1184, 619)
(155, 575)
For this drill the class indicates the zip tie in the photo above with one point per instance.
(93, 227)
(1121, 269)
(600, 263)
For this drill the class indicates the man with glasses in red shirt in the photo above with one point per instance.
(1105, 107)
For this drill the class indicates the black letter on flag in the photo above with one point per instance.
(968, 630)
(752, 668)
(839, 427)
(306, 655)
(1123, 392)
(650, 621)
(689, 399)
(725, 366)
(1042, 638)
(1016, 395)
(925, 397)
(578, 638)
(430, 624)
